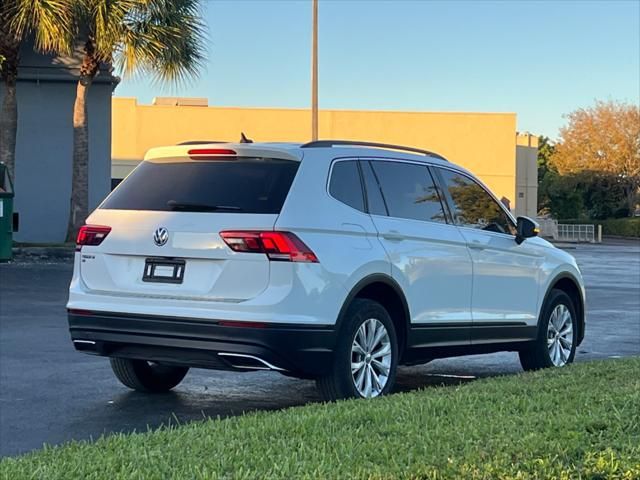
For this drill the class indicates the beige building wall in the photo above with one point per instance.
(526, 175)
(482, 142)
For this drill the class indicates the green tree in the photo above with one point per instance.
(162, 39)
(49, 22)
(545, 151)
(605, 139)
(604, 195)
(564, 194)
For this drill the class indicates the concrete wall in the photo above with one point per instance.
(46, 91)
(526, 175)
(482, 142)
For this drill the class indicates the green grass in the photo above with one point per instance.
(579, 422)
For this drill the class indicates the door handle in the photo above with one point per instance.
(393, 236)
(476, 245)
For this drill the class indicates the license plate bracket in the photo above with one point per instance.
(163, 270)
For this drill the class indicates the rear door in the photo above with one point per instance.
(429, 257)
(170, 211)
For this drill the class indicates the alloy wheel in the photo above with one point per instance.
(560, 335)
(371, 356)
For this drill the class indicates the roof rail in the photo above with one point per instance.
(199, 142)
(355, 143)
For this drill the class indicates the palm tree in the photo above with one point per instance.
(163, 39)
(49, 23)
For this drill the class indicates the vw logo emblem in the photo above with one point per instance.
(161, 236)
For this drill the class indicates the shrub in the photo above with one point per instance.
(621, 227)
(624, 227)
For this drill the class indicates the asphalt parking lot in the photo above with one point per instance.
(51, 394)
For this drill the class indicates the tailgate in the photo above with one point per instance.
(166, 218)
(211, 269)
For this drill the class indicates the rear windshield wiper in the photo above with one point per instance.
(200, 207)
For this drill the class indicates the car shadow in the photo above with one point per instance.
(210, 395)
(418, 378)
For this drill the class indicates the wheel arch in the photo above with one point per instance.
(570, 285)
(386, 291)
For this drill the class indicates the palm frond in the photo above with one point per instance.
(50, 21)
(105, 20)
(164, 39)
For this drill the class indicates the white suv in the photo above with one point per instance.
(332, 260)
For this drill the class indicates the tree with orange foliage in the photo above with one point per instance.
(603, 140)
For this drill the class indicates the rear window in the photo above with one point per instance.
(345, 184)
(239, 185)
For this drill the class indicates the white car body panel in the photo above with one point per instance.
(214, 272)
(431, 263)
(501, 266)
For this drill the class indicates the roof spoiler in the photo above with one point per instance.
(198, 142)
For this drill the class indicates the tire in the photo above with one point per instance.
(551, 349)
(362, 317)
(143, 376)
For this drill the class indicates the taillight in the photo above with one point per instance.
(210, 153)
(279, 246)
(91, 235)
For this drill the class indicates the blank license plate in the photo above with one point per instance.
(163, 270)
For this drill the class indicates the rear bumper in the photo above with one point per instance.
(299, 350)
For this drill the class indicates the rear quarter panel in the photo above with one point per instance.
(343, 238)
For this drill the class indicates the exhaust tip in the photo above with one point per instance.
(85, 345)
(248, 362)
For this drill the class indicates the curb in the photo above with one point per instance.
(43, 253)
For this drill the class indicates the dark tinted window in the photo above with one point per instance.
(375, 202)
(473, 206)
(243, 185)
(345, 184)
(115, 182)
(409, 191)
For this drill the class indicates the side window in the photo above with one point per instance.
(375, 202)
(473, 206)
(345, 184)
(409, 191)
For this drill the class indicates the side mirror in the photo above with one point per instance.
(526, 228)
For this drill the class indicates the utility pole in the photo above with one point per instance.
(314, 73)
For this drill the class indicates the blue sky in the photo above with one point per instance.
(540, 59)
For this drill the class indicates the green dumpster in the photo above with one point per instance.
(6, 214)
